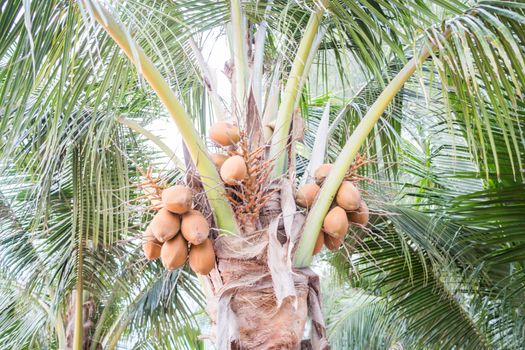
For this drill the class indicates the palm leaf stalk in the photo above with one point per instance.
(314, 220)
(79, 302)
(78, 228)
(285, 112)
(223, 213)
(240, 59)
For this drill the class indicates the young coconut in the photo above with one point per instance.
(225, 133)
(348, 196)
(174, 253)
(233, 170)
(322, 172)
(165, 225)
(177, 199)
(319, 243)
(336, 223)
(361, 215)
(150, 246)
(332, 243)
(306, 194)
(202, 257)
(218, 159)
(195, 227)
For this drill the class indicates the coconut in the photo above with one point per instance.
(195, 227)
(218, 159)
(225, 133)
(165, 225)
(306, 194)
(348, 196)
(360, 216)
(322, 172)
(336, 223)
(177, 199)
(150, 245)
(174, 253)
(202, 257)
(332, 243)
(319, 243)
(233, 170)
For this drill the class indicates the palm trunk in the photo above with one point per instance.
(257, 300)
(87, 311)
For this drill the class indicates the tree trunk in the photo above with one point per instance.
(88, 309)
(256, 299)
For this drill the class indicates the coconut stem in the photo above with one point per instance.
(211, 181)
(314, 220)
(285, 112)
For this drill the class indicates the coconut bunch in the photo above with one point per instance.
(348, 208)
(178, 233)
(244, 172)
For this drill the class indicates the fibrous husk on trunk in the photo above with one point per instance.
(258, 300)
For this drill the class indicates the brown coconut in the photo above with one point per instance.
(174, 253)
(218, 159)
(361, 215)
(225, 133)
(177, 199)
(306, 194)
(348, 196)
(202, 257)
(319, 243)
(165, 225)
(322, 172)
(150, 245)
(195, 227)
(332, 243)
(233, 170)
(336, 223)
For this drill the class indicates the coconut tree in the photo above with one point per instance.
(426, 126)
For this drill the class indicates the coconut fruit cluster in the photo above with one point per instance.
(347, 208)
(178, 233)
